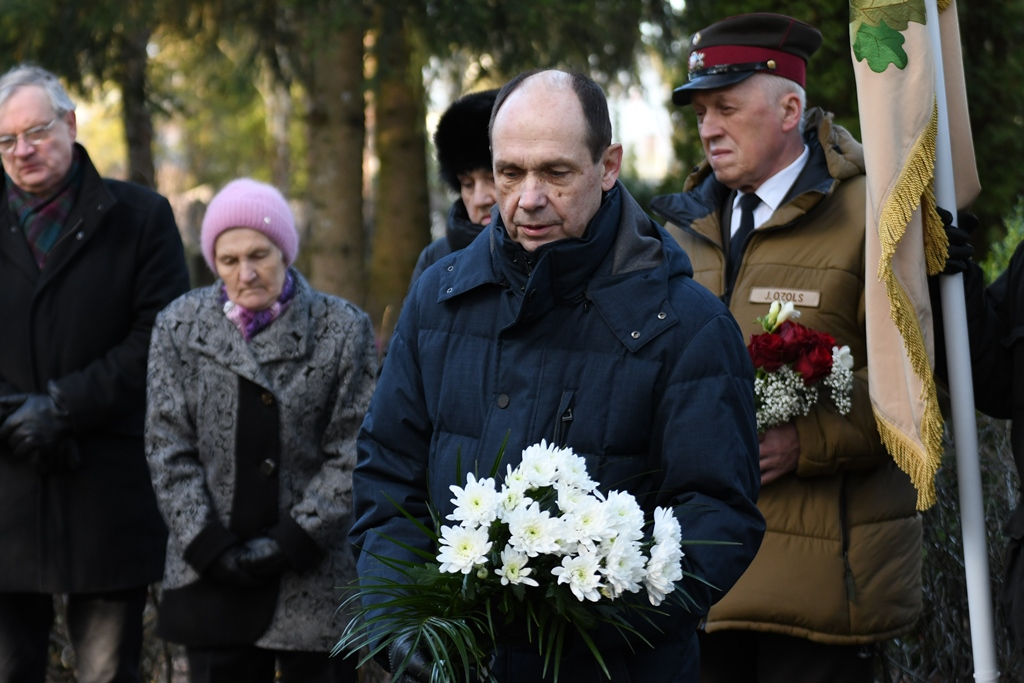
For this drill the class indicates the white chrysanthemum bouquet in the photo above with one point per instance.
(526, 559)
(791, 361)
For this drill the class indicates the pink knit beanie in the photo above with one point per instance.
(246, 203)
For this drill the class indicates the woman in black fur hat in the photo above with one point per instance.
(464, 158)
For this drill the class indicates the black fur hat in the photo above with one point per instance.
(461, 137)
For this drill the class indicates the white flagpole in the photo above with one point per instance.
(965, 427)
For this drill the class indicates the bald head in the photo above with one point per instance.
(548, 178)
(589, 96)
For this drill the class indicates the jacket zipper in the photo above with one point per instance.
(564, 418)
(851, 594)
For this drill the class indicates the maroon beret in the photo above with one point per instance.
(735, 48)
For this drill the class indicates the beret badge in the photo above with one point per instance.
(696, 62)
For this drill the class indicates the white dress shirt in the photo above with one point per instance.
(771, 193)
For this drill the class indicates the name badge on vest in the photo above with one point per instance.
(799, 297)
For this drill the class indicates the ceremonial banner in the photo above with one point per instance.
(895, 71)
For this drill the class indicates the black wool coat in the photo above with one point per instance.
(84, 322)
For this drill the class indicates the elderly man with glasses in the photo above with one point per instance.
(86, 263)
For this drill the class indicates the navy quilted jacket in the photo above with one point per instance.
(602, 343)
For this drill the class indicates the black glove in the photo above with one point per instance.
(263, 558)
(417, 669)
(227, 568)
(960, 250)
(37, 426)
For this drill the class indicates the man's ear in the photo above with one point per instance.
(72, 123)
(792, 112)
(611, 164)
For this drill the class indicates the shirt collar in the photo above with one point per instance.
(774, 190)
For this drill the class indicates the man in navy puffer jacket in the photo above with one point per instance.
(573, 319)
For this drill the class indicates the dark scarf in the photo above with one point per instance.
(42, 218)
(248, 322)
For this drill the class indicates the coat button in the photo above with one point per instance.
(635, 335)
(451, 268)
(503, 401)
(267, 398)
(449, 291)
(79, 235)
(268, 467)
(662, 315)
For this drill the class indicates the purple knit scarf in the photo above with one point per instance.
(248, 322)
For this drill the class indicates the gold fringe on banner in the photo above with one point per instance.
(914, 188)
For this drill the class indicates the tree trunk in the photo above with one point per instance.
(402, 206)
(138, 118)
(277, 103)
(336, 137)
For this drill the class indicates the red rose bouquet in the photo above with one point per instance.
(791, 361)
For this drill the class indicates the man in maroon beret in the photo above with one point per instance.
(776, 213)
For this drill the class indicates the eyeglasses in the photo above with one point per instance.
(32, 137)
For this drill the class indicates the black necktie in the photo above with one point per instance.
(748, 202)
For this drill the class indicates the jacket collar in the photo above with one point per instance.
(93, 202)
(621, 265)
(459, 230)
(286, 339)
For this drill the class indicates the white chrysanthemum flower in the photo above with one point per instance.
(540, 464)
(624, 515)
(515, 478)
(572, 471)
(477, 503)
(513, 568)
(581, 572)
(663, 570)
(587, 523)
(511, 499)
(623, 566)
(666, 527)
(462, 549)
(533, 531)
(569, 497)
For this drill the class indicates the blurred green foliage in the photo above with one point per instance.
(999, 253)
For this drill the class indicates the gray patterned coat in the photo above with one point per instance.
(313, 371)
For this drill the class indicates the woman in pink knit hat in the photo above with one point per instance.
(257, 387)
